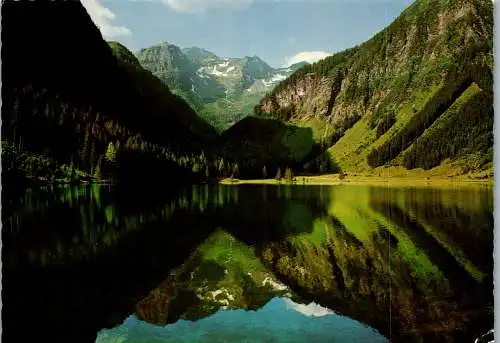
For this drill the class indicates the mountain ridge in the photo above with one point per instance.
(221, 89)
(391, 101)
(107, 118)
(370, 105)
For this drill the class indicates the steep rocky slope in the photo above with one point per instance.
(416, 94)
(178, 72)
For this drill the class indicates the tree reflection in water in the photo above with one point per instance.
(415, 264)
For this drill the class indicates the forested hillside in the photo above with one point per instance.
(85, 109)
(74, 107)
(417, 94)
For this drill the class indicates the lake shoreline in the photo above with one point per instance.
(357, 179)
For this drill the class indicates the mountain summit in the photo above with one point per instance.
(221, 89)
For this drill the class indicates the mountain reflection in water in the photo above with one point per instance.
(280, 320)
(413, 264)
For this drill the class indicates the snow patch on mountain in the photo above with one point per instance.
(225, 64)
(215, 72)
(276, 78)
(201, 73)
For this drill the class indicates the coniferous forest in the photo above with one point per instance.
(105, 119)
(168, 194)
(99, 114)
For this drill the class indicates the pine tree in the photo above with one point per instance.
(111, 152)
(15, 114)
(235, 172)
(288, 174)
(196, 167)
(93, 157)
(321, 167)
(98, 171)
(47, 111)
(278, 174)
(84, 151)
(221, 165)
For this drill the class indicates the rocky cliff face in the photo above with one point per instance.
(380, 97)
(222, 90)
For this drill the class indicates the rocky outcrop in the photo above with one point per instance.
(222, 90)
(432, 44)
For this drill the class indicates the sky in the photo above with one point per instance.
(280, 32)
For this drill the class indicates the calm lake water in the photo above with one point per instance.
(247, 263)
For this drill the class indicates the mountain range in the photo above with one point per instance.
(221, 90)
(78, 109)
(417, 95)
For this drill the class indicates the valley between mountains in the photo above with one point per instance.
(221, 90)
(123, 214)
(414, 100)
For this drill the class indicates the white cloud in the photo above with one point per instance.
(307, 56)
(199, 6)
(102, 17)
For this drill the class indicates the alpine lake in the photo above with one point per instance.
(248, 263)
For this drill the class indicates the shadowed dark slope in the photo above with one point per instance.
(66, 95)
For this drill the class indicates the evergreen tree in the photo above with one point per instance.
(111, 152)
(98, 169)
(221, 165)
(235, 172)
(84, 151)
(196, 167)
(288, 174)
(93, 157)
(14, 121)
(278, 174)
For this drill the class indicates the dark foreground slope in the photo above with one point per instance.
(72, 108)
(415, 95)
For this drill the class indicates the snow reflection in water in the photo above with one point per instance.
(280, 320)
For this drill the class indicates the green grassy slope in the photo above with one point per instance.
(397, 98)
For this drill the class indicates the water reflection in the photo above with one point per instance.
(415, 264)
(297, 323)
(388, 261)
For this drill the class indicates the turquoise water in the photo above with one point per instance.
(280, 320)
